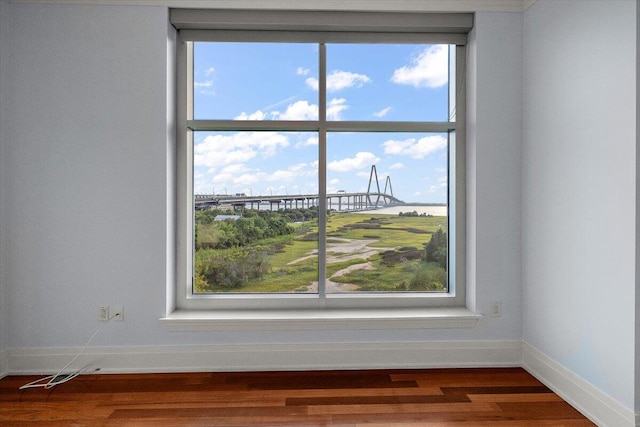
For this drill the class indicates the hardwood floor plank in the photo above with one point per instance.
(240, 395)
(506, 423)
(495, 390)
(519, 397)
(198, 412)
(396, 409)
(356, 399)
(445, 418)
(543, 410)
(331, 381)
(170, 404)
(409, 398)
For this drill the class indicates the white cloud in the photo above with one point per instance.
(224, 150)
(282, 175)
(313, 83)
(204, 87)
(339, 80)
(258, 115)
(382, 112)
(246, 179)
(442, 183)
(335, 108)
(360, 161)
(222, 178)
(301, 168)
(434, 188)
(301, 71)
(290, 174)
(397, 166)
(209, 71)
(417, 149)
(299, 110)
(238, 177)
(234, 169)
(311, 141)
(279, 103)
(428, 69)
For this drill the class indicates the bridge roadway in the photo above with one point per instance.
(336, 201)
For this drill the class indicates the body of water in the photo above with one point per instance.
(438, 210)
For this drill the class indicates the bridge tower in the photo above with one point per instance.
(387, 185)
(372, 174)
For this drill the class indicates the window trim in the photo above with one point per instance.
(319, 26)
(313, 304)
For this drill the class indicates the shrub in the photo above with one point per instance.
(230, 271)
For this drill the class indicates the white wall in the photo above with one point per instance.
(85, 189)
(637, 237)
(493, 165)
(3, 298)
(579, 191)
(84, 176)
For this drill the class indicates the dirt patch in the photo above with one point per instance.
(340, 250)
(355, 267)
(335, 288)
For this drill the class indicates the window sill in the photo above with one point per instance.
(276, 320)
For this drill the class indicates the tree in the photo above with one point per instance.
(436, 249)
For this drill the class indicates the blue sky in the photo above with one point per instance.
(265, 81)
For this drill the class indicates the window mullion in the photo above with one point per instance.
(313, 126)
(381, 126)
(322, 172)
(252, 125)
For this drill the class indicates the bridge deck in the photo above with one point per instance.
(343, 201)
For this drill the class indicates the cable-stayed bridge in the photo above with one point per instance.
(340, 201)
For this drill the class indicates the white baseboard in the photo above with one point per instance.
(596, 405)
(272, 357)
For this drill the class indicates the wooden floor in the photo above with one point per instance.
(439, 397)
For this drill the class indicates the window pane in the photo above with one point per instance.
(387, 229)
(256, 202)
(388, 82)
(255, 81)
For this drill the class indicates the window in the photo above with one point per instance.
(320, 168)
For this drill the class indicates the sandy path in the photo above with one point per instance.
(334, 287)
(340, 250)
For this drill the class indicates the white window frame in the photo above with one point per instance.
(320, 28)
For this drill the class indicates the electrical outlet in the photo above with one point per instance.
(116, 313)
(496, 309)
(103, 313)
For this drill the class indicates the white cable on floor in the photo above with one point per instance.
(60, 378)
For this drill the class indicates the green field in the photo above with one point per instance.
(365, 253)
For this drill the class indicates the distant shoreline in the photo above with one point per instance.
(427, 209)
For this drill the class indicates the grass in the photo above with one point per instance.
(391, 230)
(292, 271)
